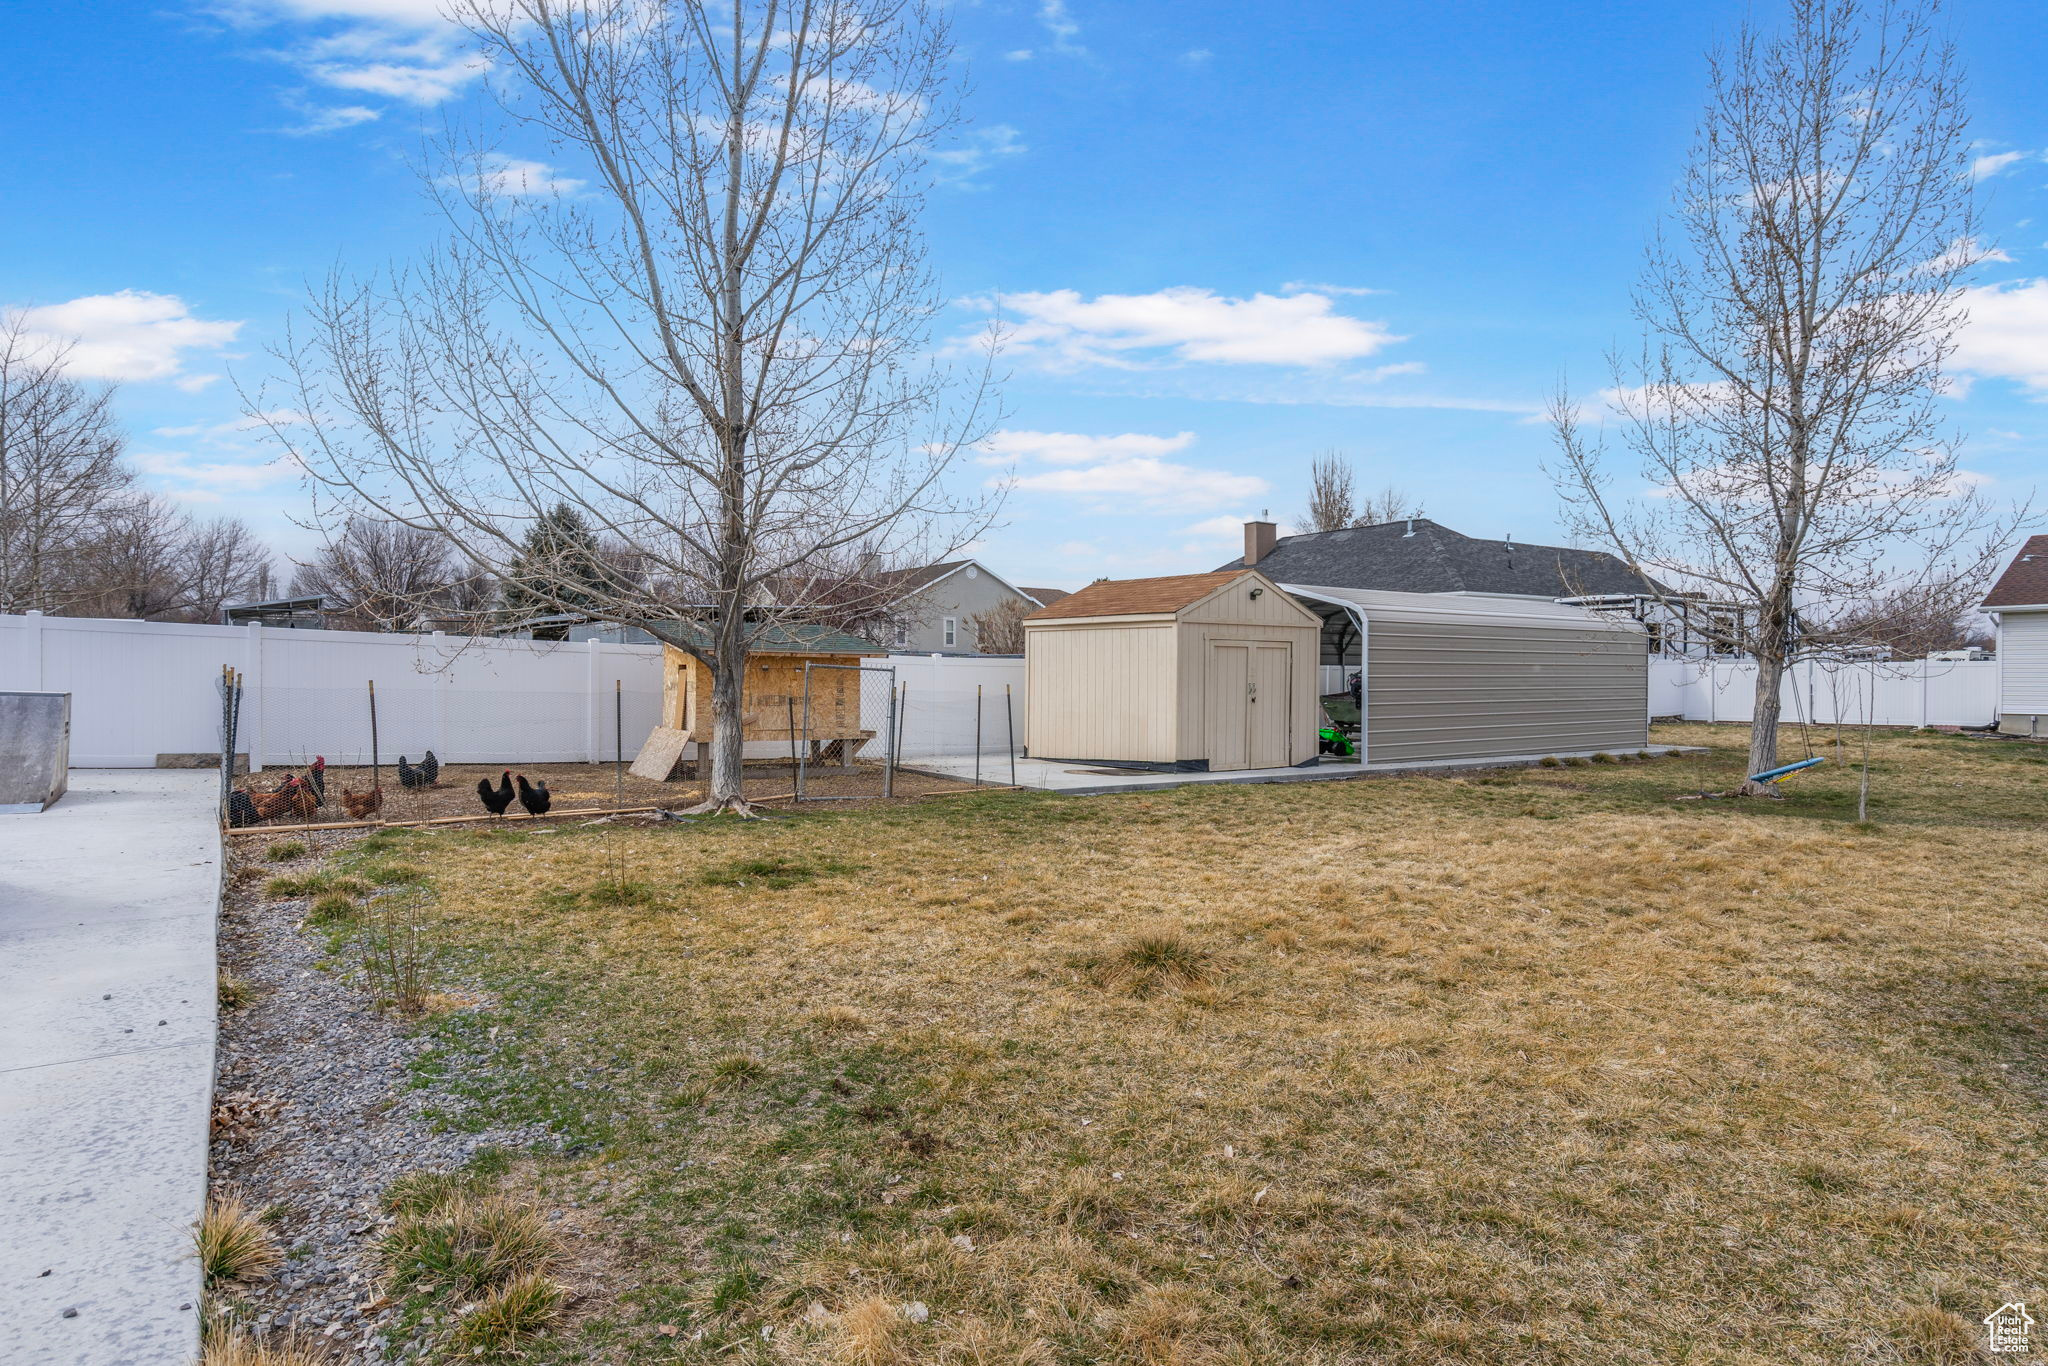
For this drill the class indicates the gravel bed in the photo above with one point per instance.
(311, 1084)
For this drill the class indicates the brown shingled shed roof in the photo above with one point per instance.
(2025, 581)
(1137, 597)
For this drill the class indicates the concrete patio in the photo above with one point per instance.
(107, 999)
(1084, 779)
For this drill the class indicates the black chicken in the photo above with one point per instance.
(241, 809)
(431, 767)
(535, 797)
(495, 799)
(410, 775)
(316, 778)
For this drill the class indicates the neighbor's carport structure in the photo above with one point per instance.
(1193, 672)
(1452, 676)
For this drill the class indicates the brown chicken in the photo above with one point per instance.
(362, 805)
(279, 801)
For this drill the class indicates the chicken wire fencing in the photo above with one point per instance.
(413, 748)
(417, 754)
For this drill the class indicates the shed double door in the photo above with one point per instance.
(1249, 691)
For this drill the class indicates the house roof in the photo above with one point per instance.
(1136, 597)
(1044, 597)
(800, 638)
(2025, 581)
(904, 582)
(1416, 555)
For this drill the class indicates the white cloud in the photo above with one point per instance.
(230, 432)
(1123, 472)
(2007, 335)
(1196, 57)
(1961, 254)
(316, 120)
(1308, 287)
(1073, 448)
(1061, 26)
(1183, 324)
(132, 335)
(514, 178)
(1983, 168)
(1022, 54)
(1151, 485)
(977, 150)
(209, 481)
(403, 50)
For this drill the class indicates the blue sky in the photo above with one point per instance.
(1232, 236)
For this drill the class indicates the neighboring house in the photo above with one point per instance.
(932, 608)
(1417, 555)
(2018, 602)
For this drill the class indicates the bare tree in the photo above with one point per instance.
(1335, 503)
(1910, 624)
(1000, 630)
(221, 562)
(386, 576)
(134, 566)
(1329, 492)
(61, 475)
(714, 354)
(1388, 505)
(1785, 405)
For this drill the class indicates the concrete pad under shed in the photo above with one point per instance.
(1087, 780)
(107, 1002)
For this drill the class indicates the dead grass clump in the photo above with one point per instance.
(284, 851)
(230, 1346)
(313, 884)
(776, 871)
(1083, 1200)
(1933, 1334)
(468, 1246)
(234, 1243)
(838, 1020)
(1155, 961)
(737, 1069)
(508, 1314)
(234, 992)
(872, 1332)
(332, 907)
(971, 1340)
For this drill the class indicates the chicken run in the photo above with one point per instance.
(428, 791)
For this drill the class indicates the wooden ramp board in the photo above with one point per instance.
(661, 759)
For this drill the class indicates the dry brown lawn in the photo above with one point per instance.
(1533, 1067)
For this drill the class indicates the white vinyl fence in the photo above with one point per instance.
(143, 689)
(1899, 693)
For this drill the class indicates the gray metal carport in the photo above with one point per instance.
(1452, 676)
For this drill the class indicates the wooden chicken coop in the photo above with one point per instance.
(772, 701)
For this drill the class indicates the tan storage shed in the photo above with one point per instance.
(1196, 671)
(1455, 676)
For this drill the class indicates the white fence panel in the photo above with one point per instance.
(1896, 693)
(140, 689)
(937, 713)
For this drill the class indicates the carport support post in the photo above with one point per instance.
(1010, 721)
(977, 735)
(252, 682)
(889, 743)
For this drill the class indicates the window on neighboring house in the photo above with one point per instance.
(902, 634)
(952, 631)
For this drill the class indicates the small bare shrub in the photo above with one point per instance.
(399, 953)
(234, 1243)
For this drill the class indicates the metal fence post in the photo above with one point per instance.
(889, 743)
(803, 761)
(252, 676)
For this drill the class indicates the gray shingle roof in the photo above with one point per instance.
(1436, 559)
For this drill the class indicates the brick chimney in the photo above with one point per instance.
(1258, 541)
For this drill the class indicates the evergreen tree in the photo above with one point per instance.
(559, 568)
